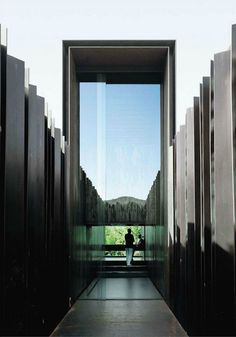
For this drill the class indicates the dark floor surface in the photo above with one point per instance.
(122, 289)
(140, 314)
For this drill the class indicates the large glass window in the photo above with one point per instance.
(120, 137)
(120, 149)
(120, 145)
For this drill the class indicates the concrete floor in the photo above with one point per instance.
(127, 308)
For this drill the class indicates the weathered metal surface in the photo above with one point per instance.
(197, 229)
(190, 219)
(223, 231)
(14, 199)
(35, 211)
(3, 58)
(181, 222)
(205, 197)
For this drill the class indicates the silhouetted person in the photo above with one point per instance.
(129, 241)
(140, 243)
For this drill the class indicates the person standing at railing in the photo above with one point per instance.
(140, 246)
(140, 243)
(129, 247)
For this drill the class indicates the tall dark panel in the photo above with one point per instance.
(36, 229)
(193, 220)
(201, 201)
(50, 233)
(14, 218)
(223, 230)
(180, 235)
(64, 244)
(68, 227)
(176, 228)
(197, 229)
(3, 58)
(233, 74)
(212, 189)
(54, 224)
(191, 223)
(205, 197)
(58, 234)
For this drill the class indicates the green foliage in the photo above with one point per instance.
(116, 234)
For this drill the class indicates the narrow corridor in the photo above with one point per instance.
(120, 307)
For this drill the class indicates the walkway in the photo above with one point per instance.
(120, 307)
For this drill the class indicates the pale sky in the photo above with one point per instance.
(36, 30)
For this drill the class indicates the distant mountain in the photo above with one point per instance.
(126, 200)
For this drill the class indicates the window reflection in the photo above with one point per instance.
(120, 137)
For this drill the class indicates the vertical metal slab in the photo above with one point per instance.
(201, 200)
(212, 190)
(233, 74)
(35, 213)
(57, 191)
(48, 220)
(191, 224)
(14, 203)
(3, 58)
(181, 223)
(205, 197)
(223, 234)
(175, 232)
(64, 247)
(58, 232)
(177, 228)
(193, 219)
(197, 229)
(171, 224)
(52, 317)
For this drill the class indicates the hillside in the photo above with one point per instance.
(126, 200)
